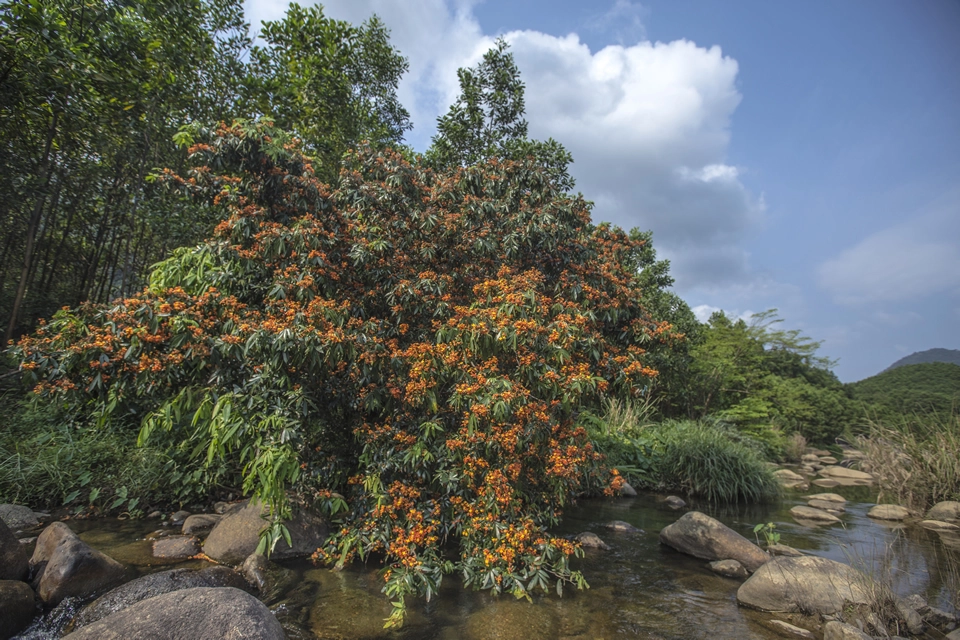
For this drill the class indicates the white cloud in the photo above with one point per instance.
(704, 311)
(917, 258)
(648, 124)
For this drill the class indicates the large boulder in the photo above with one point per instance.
(834, 630)
(947, 511)
(201, 613)
(18, 517)
(811, 585)
(237, 535)
(70, 567)
(701, 536)
(153, 585)
(18, 605)
(14, 563)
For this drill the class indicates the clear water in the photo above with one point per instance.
(639, 588)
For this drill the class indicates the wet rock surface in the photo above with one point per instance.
(18, 605)
(69, 567)
(201, 613)
(153, 585)
(14, 563)
(809, 585)
(701, 536)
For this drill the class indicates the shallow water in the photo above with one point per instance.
(639, 588)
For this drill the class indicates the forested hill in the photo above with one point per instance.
(912, 388)
(930, 355)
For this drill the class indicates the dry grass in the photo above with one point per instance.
(917, 464)
(794, 447)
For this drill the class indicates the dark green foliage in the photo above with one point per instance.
(329, 82)
(915, 389)
(487, 121)
(930, 355)
(47, 460)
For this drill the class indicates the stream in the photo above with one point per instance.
(639, 588)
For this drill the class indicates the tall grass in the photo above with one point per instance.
(916, 462)
(706, 459)
(47, 460)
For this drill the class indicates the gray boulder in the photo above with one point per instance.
(701, 536)
(627, 491)
(18, 605)
(18, 517)
(70, 567)
(153, 585)
(176, 547)
(947, 511)
(201, 613)
(14, 563)
(729, 569)
(834, 630)
(237, 534)
(808, 584)
(199, 522)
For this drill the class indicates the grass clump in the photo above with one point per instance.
(916, 461)
(48, 460)
(705, 459)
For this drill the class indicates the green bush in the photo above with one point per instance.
(49, 460)
(704, 459)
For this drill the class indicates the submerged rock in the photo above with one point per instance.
(809, 513)
(511, 620)
(729, 569)
(153, 585)
(621, 527)
(18, 605)
(590, 540)
(201, 613)
(809, 584)
(675, 503)
(788, 629)
(701, 536)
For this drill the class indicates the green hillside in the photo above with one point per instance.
(930, 355)
(932, 387)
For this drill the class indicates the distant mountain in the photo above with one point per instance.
(930, 355)
(912, 389)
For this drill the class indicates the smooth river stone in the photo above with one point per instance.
(826, 505)
(828, 497)
(809, 513)
(888, 512)
(937, 525)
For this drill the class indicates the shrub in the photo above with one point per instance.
(795, 447)
(417, 351)
(708, 459)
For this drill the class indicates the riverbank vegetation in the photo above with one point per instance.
(225, 274)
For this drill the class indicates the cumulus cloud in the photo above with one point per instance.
(648, 124)
(910, 260)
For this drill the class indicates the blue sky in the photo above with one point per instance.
(802, 156)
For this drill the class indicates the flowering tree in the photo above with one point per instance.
(415, 350)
